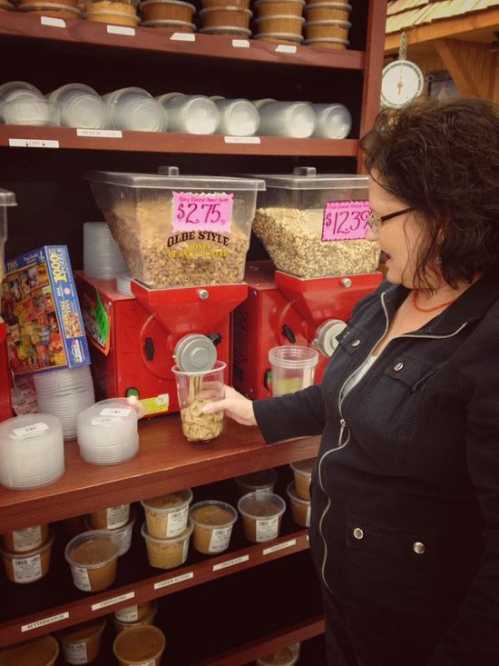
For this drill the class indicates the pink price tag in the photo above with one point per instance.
(345, 220)
(202, 212)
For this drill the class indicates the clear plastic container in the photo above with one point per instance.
(303, 475)
(167, 515)
(293, 368)
(300, 508)
(24, 568)
(134, 109)
(23, 104)
(93, 558)
(81, 645)
(286, 656)
(167, 553)
(25, 539)
(190, 114)
(111, 517)
(195, 390)
(140, 211)
(31, 451)
(78, 105)
(334, 121)
(257, 482)
(42, 651)
(139, 646)
(292, 119)
(213, 522)
(290, 223)
(134, 616)
(262, 514)
(102, 258)
(238, 117)
(122, 536)
(7, 200)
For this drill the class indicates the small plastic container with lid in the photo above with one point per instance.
(115, 13)
(314, 225)
(111, 517)
(213, 522)
(262, 515)
(334, 121)
(148, 215)
(167, 515)
(292, 119)
(225, 17)
(122, 535)
(327, 11)
(28, 567)
(327, 29)
(300, 508)
(42, 651)
(139, 646)
(238, 117)
(280, 23)
(190, 114)
(78, 105)
(167, 10)
(134, 616)
(286, 656)
(93, 558)
(60, 9)
(7, 200)
(293, 368)
(167, 553)
(31, 451)
(266, 8)
(81, 644)
(257, 482)
(25, 539)
(303, 476)
(134, 109)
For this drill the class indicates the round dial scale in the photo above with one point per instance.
(402, 82)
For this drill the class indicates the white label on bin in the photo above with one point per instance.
(230, 563)
(52, 22)
(242, 139)
(27, 539)
(81, 579)
(104, 134)
(29, 431)
(120, 30)
(43, 623)
(33, 143)
(285, 48)
(174, 580)
(115, 411)
(76, 653)
(220, 539)
(113, 600)
(27, 569)
(240, 43)
(183, 37)
(117, 516)
(279, 546)
(177, 522)
(267, 528)
(128, 614)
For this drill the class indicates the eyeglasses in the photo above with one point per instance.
(375, 221)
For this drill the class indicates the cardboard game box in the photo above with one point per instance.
(42, 312)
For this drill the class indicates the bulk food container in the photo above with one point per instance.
(296, 214)
(179, 231)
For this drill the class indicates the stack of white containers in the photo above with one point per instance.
(108, 433)
(31, 451)
(102, 258)
(65, 393)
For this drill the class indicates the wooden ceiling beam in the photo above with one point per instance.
(473, 67)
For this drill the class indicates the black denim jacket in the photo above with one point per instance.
(405, 491)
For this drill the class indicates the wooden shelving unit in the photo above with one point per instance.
(241, 600)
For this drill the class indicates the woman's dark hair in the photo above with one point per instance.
(442, 159)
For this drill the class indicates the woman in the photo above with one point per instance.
(405, 491)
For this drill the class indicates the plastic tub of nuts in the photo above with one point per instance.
(93, 558)
(314, 225)
(167, 515)
(179, 231)
(213, 522)
(167, 553)
(262, 516)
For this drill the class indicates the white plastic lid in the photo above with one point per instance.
(173, 182)
(7, 198)
(307, 178)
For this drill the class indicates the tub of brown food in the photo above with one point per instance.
(167, 515)
(327, 11)
(268, 8)
(262, 516)
(30, 566)
(40, 652)
(213, 522)
(134, 616)
(300, 508)
(111, 517)
(291, 25)
(139, 646)
(302, 471)
(116, 13)
(93, 558)
(327, 29)
(81, 645)
(167, 10)
(218, 17)
(167, 553)
(28, 538)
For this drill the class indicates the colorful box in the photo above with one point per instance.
(42, 312)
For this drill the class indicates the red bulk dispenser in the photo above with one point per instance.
(7, 199)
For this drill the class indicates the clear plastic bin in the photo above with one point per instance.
(290, 223)
(293, 368)
(7, 200)
(179, 231)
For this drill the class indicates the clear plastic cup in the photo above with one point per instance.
(167, 516)
(78, 105)
(167, 553)
(195, 390)
(262, 514)
(93, 558)
(135, 109)
(213, 522)
(303, 475)
(122, 536)
(139, 646)
(190, 114)
(334, 121)
(257, 482)
(291, 119)
(24, 568)
(293, 368)
(300, 508)
(238, 117)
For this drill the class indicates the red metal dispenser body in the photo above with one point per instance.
(281, 310)
(133, 337)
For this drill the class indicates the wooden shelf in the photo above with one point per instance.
(152, 142)
(153, 40)
(166, 462)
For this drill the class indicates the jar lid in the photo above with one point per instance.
(7, 198)
(195, 353)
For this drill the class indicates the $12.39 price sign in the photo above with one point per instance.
(202, 212)
(345, 220)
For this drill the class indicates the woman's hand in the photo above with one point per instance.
(235, 405)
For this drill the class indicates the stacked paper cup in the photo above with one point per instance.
(65, 393)
(327, 24)
(102, 258)
(107, 432)
(279, 20)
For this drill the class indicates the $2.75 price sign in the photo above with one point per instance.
(202, 212)
(345, 220)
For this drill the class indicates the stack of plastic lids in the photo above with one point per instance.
(65, 393)
(23, 104)
(102, 258)
(31, 451)
(107, 432)
(78, 105)
(135, 109)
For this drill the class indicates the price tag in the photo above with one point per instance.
(230, 563)
(120, 30)
(104, 134)
(33, 143)
(30, 431)
(345, 220)
(240, 44)
(183, 37)
(285, 48)
(202, 212)
(242, 139)
(52, 22)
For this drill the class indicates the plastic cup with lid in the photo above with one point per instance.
(293, 368)
(78, 105)
(102, 258)
(190, 114)
(286, 656)
(238, 117)
(334, 121)
(262, 514)
(135, 109)
(291, 119)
